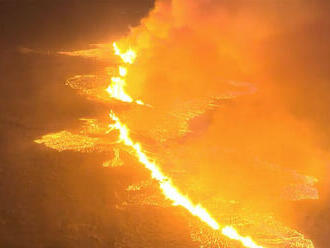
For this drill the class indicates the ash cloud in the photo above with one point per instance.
(269, 145)
(191, 49)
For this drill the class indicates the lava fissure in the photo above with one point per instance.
(165, 183)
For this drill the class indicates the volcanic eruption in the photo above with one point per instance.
(181, 107)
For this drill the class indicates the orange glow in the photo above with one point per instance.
(122, 71)
(225, 138)
(128, 56)
(231, 233)
(170, 191)
(116, 89)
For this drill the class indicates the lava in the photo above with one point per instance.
(170, 191)
(128, 56)
(188, 72)
(116, 89)
(165, 183)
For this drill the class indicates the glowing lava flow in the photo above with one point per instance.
(117, 87)
(170, 191)
(128, 56)
(116, 90)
